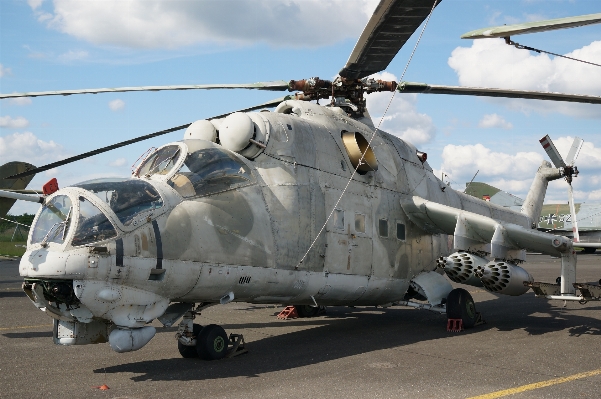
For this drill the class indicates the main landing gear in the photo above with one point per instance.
(461, 311)
(209, 342)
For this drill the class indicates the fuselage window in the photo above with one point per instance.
(383, 227)
(400, 231)
(338, 219)
(359, 223)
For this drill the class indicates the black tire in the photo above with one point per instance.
(306, 310)
(460, 305)
(588, 250)
(212, 343)
(186, 351)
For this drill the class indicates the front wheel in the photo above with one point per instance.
(190, 351)
(212, 342)
(460, 305)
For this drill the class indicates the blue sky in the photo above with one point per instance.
(74, 44)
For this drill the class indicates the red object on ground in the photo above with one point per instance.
(288, 313)
(103, 387)
(454, 325)
(51, 187)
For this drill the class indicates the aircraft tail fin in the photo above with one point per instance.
(533, 204)
(494, 195)
(9, 169)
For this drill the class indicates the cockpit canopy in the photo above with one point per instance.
(125, 197)
(209, 169)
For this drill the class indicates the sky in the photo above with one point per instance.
(76, 44)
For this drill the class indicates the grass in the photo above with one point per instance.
(15, 248)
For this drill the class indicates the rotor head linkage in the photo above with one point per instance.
(349, 89)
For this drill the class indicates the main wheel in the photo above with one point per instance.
(190, 351)
(212, 342)
(306, 310)
(460, 305)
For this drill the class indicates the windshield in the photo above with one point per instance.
(53, 223)
(210, 169)
(160, 162)
(127, 198)
(92, 225)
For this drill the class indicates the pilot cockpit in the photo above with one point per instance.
(126, 198)
(209, 169)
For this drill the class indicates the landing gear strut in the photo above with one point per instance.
(209, 342)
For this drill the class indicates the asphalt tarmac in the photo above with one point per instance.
(529, 348)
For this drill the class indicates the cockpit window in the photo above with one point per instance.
(54, 221)
(92, 225)
(210, 170)
(160, 162)
(127, 198)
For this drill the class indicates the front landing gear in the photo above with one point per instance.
(461, 311)
(212, 342)
(188, 351)
(209, 342)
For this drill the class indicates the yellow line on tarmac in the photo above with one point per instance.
(22, 327)
(537, 385)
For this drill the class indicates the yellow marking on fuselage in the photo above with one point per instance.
(23, 327)
(537, 385)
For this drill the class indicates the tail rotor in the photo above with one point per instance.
(568, 171)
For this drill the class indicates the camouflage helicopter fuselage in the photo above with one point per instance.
(243, 238)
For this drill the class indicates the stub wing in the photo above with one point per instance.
(473, 232)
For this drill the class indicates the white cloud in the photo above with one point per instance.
(35, 4)
(13, 123)
(494, 121)
(116, 105)
(4, 71)
(514, 172)
(73, 55)
(464, 160)
(402, 119)
(492, 63)
(19, 101)
(27, 147)
(177, 23)
(118, 162)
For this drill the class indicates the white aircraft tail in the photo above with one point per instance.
(533, 204)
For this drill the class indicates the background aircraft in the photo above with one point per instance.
(554, 218)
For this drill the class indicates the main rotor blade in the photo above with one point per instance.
(88, 154)
(278, 85)
(552, 152)
(533, 27)
(392, 24)
(413, 87)
(574, 151)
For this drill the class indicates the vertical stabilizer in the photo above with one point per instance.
(534, 201)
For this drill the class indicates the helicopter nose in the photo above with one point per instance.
(42, 263)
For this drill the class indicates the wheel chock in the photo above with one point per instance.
(288, 313)
(237, 342)
(479, 319)
(454, 325)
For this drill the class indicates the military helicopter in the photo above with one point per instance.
(307, 205)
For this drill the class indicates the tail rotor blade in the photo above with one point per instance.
(549, 147)
(574, 151)
(573, 212)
